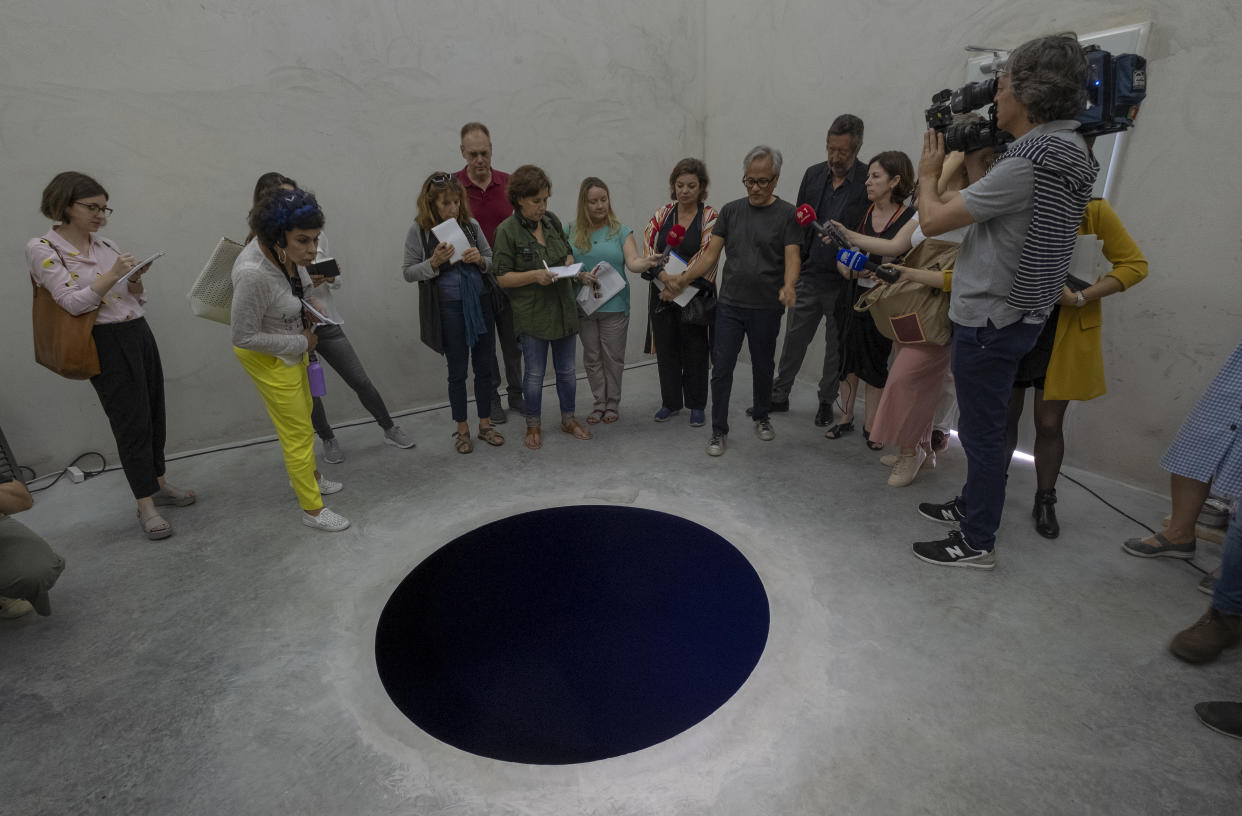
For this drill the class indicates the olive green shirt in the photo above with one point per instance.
(546, 312)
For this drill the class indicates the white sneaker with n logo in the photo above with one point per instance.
(954, 551)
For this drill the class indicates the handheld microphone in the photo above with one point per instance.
(805, 215)
(676, 235)
(856, 260)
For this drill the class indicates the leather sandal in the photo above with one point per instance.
(534, 437)
(168, 495)
(839, 430)
(574, 429)
(610, 416)
(155, 526)
(595, 417)
(461, 442)
(491, 436)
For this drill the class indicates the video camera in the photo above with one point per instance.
(1115, 87)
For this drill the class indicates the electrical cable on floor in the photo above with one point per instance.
(86, 474)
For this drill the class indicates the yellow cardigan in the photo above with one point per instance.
(1076, 370)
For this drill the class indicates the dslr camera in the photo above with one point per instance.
(1115, 87)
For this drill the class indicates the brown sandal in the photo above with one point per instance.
(154, 526)
(577, 431)
(534, 437)
(491, 436)
(461, 441)
(595, 416)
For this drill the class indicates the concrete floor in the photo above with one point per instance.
(229, 669)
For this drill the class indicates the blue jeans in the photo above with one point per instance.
(1227, 597)
(760, 327)
(535, 361)
(457, 353)
(985, 360)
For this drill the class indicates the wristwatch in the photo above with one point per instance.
(1082, 301)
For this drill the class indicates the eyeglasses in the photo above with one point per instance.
(95, 209)
(440, 179)
(750, 181)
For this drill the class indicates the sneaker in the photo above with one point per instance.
(1208, 585)
(716, 447)
(327, 521)
(499, 417)
(665, 414)
(954, 552)
(332, 451)
(1222, 717)
(779, 406)
(1207, 637)
(327, 487)
(947, 513)
(14, 608)
(697, 418)
(763, 430)
(515, 401)
(396, 437)
(824, 417)
(1163, 548)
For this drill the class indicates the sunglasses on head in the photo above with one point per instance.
(440, 179)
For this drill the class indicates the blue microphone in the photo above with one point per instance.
(856, 260)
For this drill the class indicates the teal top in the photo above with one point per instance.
(604, 247)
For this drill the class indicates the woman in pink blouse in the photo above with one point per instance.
(81, 270)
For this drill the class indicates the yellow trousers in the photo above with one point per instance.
(286, 394)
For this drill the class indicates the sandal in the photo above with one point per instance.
(595, 417)
(839, 430)
(610, 416)
(461, 442)
(168, 495)
(875, 446)
(491, 436)
(575, 430)
(534, 437)
(154, 525)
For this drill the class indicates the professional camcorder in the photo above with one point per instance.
(1115, 87)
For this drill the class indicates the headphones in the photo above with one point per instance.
(526, 222)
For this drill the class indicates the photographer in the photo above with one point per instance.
(1023, 218)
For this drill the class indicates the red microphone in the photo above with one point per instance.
(677, 234)
(805, 215)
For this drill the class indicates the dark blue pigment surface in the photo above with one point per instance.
(571, 634)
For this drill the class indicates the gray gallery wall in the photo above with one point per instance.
(176, 109)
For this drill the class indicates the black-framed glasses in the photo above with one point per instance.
(440, 179)
(751, 181)
(95, 209)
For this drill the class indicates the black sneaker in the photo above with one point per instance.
(947, 513)
(954, 552)
(823, 417)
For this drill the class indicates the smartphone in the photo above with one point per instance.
(327, 267)
(140, 266)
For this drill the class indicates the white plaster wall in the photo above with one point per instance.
(780, 72)
(177, 108)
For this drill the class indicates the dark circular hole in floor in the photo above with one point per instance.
(571, 634)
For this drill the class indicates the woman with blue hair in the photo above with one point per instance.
(272, 336)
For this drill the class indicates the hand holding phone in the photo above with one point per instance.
(327, 268)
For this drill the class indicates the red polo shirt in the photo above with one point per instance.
(491, 206)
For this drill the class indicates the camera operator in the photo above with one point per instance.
(1023, 218)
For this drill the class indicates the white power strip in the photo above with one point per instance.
(75, 474)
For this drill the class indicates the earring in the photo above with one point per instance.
(280, 253)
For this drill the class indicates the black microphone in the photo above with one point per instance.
(855, 260)
(805, 215)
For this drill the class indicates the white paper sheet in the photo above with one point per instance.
(610, 283)
(565, 271)
(450, 232)
(318, 315)
(675, 266)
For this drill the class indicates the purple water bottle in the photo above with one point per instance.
(314, 373)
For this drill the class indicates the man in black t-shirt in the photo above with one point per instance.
(762, 243)
(837, 190)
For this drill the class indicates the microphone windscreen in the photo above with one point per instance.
(675, 235)
(805, 214)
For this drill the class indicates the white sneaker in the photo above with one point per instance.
(396, 437)
(332, 451)
(327, 521)
(327, 487)
(14, 607)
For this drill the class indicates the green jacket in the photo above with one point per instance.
(545, 312)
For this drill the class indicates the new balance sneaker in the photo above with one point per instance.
(763, 430)
(396, 437)
(716, 447)
(327, 520)
(332, 451)
(948, 513)
(697, 418)
(954, 552)
(665, 414)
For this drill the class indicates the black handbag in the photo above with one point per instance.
(701, 310)
(429, 326)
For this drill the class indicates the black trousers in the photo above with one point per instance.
(683, 357)
(510, 351)
(130, 384)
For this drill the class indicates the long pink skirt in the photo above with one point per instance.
(909, 403)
